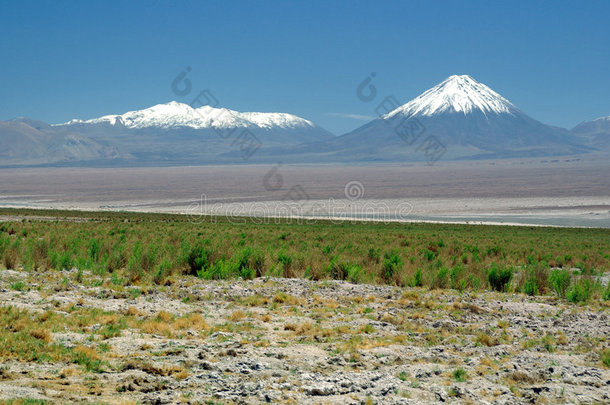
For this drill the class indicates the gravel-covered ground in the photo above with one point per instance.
(300, 341)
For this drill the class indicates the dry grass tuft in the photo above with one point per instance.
(519, 377)
(237, 316)
(486, 340)
(165, 316)
(108, 319)
(166, 325)
(477, 310)
(283, 298)
(155, 327)
(486, 361)
(178, 372)
(192, 321)
(87, 351)
(133, 311)
(68, 372)
(41, 334)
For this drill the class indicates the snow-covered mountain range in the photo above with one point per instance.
(172, 133)
(174, 115)
(459, 117)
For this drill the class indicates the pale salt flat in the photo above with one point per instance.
(554, 193)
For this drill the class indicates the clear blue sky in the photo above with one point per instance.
(82, 59)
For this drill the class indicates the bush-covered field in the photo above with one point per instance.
(131, 248)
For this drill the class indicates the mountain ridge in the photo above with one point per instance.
(460, 117)
(176, 115)
(595, 133)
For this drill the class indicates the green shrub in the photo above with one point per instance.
(40, 253)
(247, 273)
(254, 261)
(560, 281)
(198, 259)
(474, 282)
(460, 375)
(141, 261)
(285, 260)
(441, 279)
(17, 286)
(65, 261)
(220, 270)
(328, 249)
(374, 255)
(244, 259)
(117, 259)
(5, 242)
(93, 250)
(163, 271)
(580, 291)
(354, 273)
(418, 278)
(540, 273)
(336, 269)
(456, 278)
(493, 251)
(499, 277)
(429, 255)
(340, 270)
(464, 258)
(9, 258)
(530, 287)
(134, 267)
(392, 264)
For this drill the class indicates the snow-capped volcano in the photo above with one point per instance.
(179, 115)
(464, 119)
(458, 94)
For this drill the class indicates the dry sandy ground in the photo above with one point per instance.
(302, 342)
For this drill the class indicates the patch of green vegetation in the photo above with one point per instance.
(392, 264)
(605, 357)
(499, 276)
(135, 249)
(18, 286)
(460, 375)
(607, 292)
(560, 281)
(580, 291)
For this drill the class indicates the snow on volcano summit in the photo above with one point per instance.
(457, 94)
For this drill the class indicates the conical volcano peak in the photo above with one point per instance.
(460, 78)
(457, 94)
